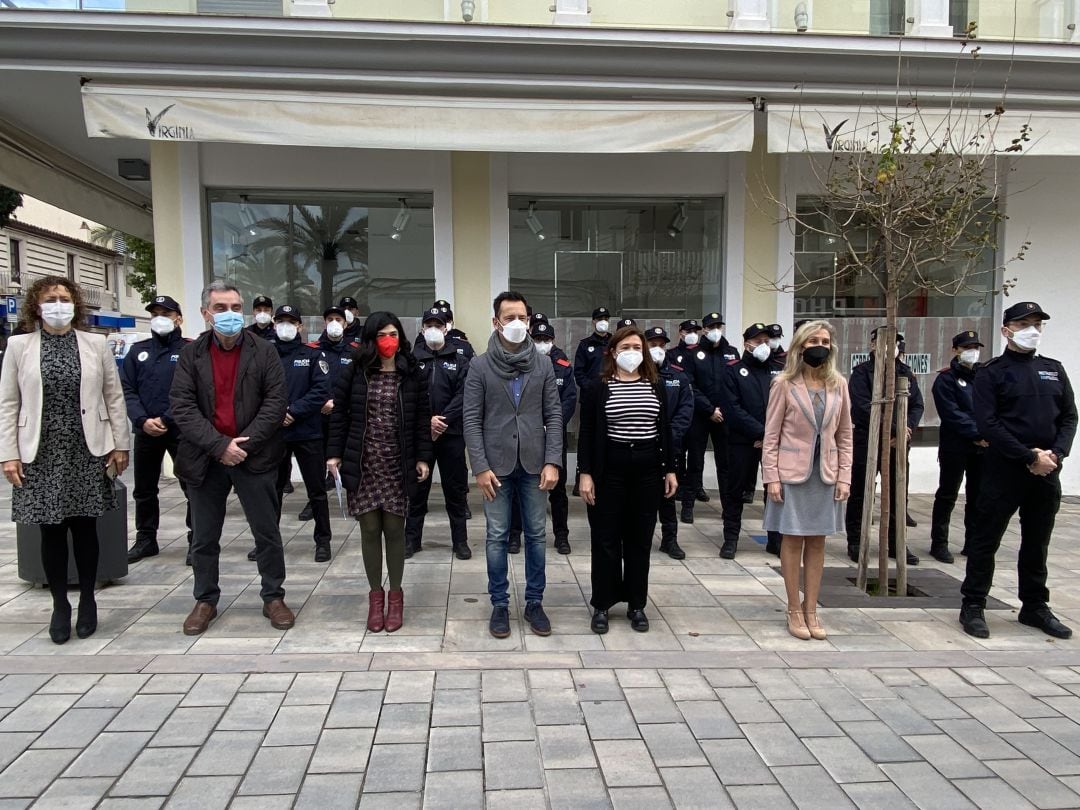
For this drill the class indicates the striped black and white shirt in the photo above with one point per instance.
(633, 411)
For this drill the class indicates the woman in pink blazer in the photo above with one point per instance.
(806, 466)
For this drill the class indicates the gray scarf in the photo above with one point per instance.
(508, 364)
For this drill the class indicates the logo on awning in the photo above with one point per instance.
(172, 133)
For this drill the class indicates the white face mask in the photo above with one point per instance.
(774, 343)
(334, 330)
(658, 355)
(969, 357)
(434, 337)
(286, 331)
(262, 318)
(714, 335)
(1027, 338)
(516, 331)
(602, 327)
(162, 325)
(57, 314)
(349, 317)
(761, 353)
(629, 361)
(544, 346)
(897, 352)
(691, 338)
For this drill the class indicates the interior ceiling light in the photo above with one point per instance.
(401, 221)
(534, 223)
(678, 222)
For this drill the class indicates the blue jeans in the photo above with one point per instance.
(533, 501)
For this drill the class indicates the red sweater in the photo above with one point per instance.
(226, 364)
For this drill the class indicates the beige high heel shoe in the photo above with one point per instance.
(796, 625)
(814, 626)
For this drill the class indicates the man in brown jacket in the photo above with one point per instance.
(229, 399)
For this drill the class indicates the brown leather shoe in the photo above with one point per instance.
(281, 618)
(199, 619)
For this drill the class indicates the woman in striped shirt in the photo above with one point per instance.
(627, 465)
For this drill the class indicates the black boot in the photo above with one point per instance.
(562, 544)
(772, 545)
(513, 545)
(462, 551)
(670, 546)
(727, 551)
(86, 621)
(288, 489)
(702, 495)
(322, 552)
(686, 515)
(853, 552)
(941, 553)
(141, 549)
(60, 623)
(973, 621)
(306, 513)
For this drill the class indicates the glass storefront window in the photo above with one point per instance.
(309, 250)
(644, 259)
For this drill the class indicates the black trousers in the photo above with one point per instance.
(955, 465)
(311, 459)
(1007, 486)
(147, 456)
(702, 429)
(853, 517)
(669, 523)
(450, 456)
(259, 499)
(622, 522)
(560, 506)
(744, 460)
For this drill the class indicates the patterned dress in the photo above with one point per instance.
(381, 483)
(65, 480)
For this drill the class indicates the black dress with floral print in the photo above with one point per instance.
(381, 484)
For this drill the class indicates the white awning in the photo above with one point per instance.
(817, 128)
(414, 122)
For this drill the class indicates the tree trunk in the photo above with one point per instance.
(870, 483)
(901, 485)
(886, 355)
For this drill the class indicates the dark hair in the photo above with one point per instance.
(647, 369)
(31, 311)
(367, 355)
(509, 295)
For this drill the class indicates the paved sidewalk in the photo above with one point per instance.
(715, 707)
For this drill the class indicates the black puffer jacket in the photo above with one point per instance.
(348, 422)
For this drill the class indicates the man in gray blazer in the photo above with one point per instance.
(514, 434)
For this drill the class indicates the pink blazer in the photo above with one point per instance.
(787, 454)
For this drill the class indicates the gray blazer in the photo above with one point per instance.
(499, 435)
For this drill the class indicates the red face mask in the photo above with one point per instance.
(387, 345)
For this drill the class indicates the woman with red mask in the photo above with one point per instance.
(380, 446)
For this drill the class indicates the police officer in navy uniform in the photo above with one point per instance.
(455, 338)
(860, 387)
(747, 396)
(706, 373)
(1024, 408)
(543, 335)
(960, 447)
(683, 357)
(446, 371)
(589, 356)
(680, 408)
(776, 346)
(307, 378)
(262, 310)
(624, 322)
(146, 376)
(348, 305)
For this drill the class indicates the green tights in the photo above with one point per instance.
(374, 526)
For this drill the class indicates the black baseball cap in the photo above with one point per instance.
(435, 314)
(899, 335)
(1023, 310)
(713, 319)
(691, 325)
(754, 330)
(262, 301)
(539, 317)
(166, 302)
(624, 322)
(287, 311)
(600, 313)
(542, 330)
(775, 330)
(968, 338)
(348, 301)
(657, 333)
(332, 310)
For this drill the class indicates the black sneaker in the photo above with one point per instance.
(973, 621)
(462, 551)
(562, 545)
(141, 550)
(727, 551)
(1044, 620)
(702, 495)
(686, 515)
(599, 622)
(322, 552)
(639, 622)
(305, 514)
(941, 553)
(537, 619)
(288, 490)
(670, 546)
(253, 555)
(513, 545)
(499, 626)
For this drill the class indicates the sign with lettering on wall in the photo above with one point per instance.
(920, 363)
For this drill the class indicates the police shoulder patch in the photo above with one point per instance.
(142, 356)
(744, 372)
(562, 361)
(592, 348)
(701, 355)
(962, 383)
(324, 367)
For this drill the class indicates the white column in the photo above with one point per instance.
(931, 18)
(785, 252)
(734, 244)
(571, 12)
(443, 218)
(749, 15)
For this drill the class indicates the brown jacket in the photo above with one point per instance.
(260, 402)
(787, 453)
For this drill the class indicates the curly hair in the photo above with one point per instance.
(30, 319)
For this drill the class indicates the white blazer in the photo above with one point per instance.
(104, 415)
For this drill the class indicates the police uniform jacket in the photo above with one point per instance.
(954, 395)
(265, 332)
(589, 359)
(339, 354)
(778, 359)
(680, 402)
(307, 378)
(147, 376)
(564, 379)
(445, 371)
(861, 387)
(707, 373)
(746, 390)
(1025, 401)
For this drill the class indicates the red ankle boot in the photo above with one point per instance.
(376, 600)
(395, 611)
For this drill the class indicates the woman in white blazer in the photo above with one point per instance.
(63, 435)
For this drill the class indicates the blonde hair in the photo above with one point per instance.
(794, 368)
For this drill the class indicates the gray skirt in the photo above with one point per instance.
(809, 509)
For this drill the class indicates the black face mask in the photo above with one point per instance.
(815, 356)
